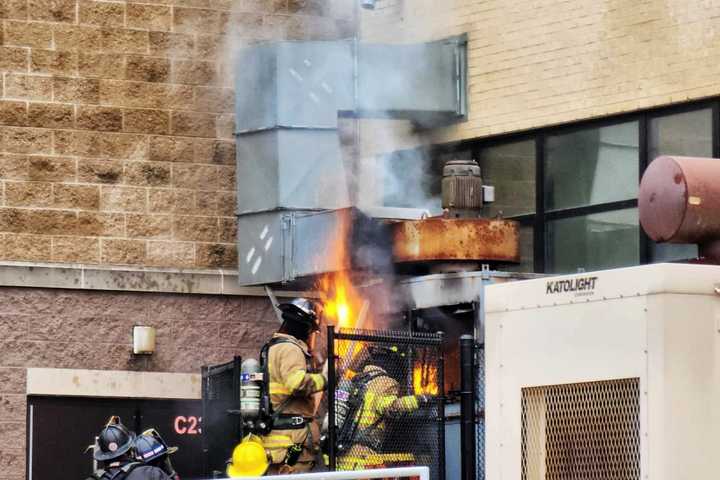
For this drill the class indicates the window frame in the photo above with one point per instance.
(540, 218)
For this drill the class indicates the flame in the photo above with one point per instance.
(342, 302)
(425, 379)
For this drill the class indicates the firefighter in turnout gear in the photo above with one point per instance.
(151, 449)
(361, 436)
(114, 451)
(293, 442)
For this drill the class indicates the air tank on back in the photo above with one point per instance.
(250, 389)
(679, 202)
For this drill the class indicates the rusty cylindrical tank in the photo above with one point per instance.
(679, 201)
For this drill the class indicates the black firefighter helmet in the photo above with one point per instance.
(150, 446)
(301, 311)
(114, 440)
(391, 358)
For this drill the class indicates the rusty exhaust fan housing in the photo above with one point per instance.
(460, 239)
(679, 201)
(291, 179)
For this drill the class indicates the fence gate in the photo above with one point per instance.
(221, 429)
(387, 424)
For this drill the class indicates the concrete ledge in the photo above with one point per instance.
(112, 383)
(131, 279)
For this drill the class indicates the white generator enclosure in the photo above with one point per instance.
(604, 375)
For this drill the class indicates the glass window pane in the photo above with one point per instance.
(527, 251)
(688, 134)
(593, 242)
(510, 168)
(591, 166)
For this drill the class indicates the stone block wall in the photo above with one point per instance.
(116, 124)
(549, 62)
(93, 330)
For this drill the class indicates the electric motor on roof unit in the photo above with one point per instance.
(462, 189)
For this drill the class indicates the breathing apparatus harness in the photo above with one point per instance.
(107, 475)
(351, 400)
(256, 408)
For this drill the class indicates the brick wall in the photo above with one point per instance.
(93, 330)
(546, 62)
(116, 123)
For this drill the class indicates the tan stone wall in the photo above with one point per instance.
(116, 123)
(546, 62)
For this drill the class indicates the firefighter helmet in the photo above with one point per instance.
(249, 459)
(150, 445)
(390, 358)
(389, 351)
(114, 440)
(301, 310)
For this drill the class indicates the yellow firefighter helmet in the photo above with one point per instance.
(249, 459)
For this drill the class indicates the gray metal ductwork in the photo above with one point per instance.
(290, 171)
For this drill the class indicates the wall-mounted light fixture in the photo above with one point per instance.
(143, 340)
(368, 4)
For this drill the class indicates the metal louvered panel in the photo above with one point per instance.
(581, 431)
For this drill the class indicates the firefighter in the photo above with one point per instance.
(362, 434)
(151, 449)
(293, 442)
(115, 450)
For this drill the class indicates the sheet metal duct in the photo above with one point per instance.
(293, 84)
(283, 246)
(289, 162)
(424, 83)
(290, 168)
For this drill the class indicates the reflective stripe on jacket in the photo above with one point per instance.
(381, 401)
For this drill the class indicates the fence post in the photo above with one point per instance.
(467, 407)
(331, 386)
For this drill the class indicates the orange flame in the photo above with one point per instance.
(425, 379)
(341, 301)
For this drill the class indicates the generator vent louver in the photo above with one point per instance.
(581, 431)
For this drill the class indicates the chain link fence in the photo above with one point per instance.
(386, 396)
(480, 412)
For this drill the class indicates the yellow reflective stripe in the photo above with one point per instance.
(278, 389)
(295, 379)
(409, 403)
(378, 403)
(367, 419)
(277, 441)
(390, 457)
(318, 380)
(384, 402)
(351, 462)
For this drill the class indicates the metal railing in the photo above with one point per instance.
(421, 473)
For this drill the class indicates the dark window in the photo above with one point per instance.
(688, 134)
(574, 188)
(591, 166)
(510, 168)
(593, 242)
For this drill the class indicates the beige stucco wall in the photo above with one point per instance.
(548, 62)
